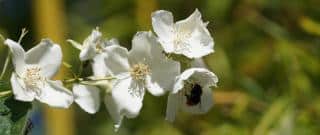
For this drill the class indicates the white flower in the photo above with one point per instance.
(92, 45)
(93, 48)
(144, 67)
(191, 92)
(33, 70)
(188, 37)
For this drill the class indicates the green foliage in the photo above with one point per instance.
(13, 116)
(13, 113)
(4, 86)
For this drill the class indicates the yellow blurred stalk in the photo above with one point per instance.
(144, 8)
(50, 22)
(309, 25)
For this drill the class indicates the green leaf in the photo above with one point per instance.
(4, 86)
(13, 116)
(275, 111)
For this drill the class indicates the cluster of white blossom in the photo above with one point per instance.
(167, 62)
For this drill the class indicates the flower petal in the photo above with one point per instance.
(55, 95)
(87, 52)
(190, 23)
(112, 41)
(200, 42)
(19, 92)
(164, 78)
(172, 107)
(153, 87)
(113, 110)
(89, 45)
(18, 55)
(202, 76)
(47, 55)
(141, 46)
(162, 23)
(205, 77)
(127, 98)
(99, 66)
(87, 97)
(117, 59)
(203, 107)
(93, 38)
(145, 49)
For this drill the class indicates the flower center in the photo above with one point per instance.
(33, 78)
(139, 71)
(99, 48)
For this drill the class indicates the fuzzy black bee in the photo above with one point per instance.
(194, 97)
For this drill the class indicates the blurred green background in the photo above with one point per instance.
(267, 59)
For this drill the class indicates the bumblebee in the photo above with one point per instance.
(194, 97)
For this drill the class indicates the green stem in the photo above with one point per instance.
(80, 69)
(2, 38)
(5, 93)
(5, 66)
(73, 80)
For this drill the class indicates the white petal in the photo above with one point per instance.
(99, 66)
(162, 23)
(153, 87)
(117, 59)
(112, 41)
(205, 77)
(203, 107)
(18, 89)
(87, 97)
(141, 46)
(127, 98)
(164, 78)
(18, 55)
(200, 43)
(172, 107)
(113, 110)
(47, 55)
(190, 23)
(87, 52)
(93, 38)
(55, 95)
(202, 76)
(89, 45)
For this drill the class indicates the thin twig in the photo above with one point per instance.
(88, 79)
(5, 66)
(80, 69)
(5, 93)
(23, 33)
(2, 38)
(6, 63)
